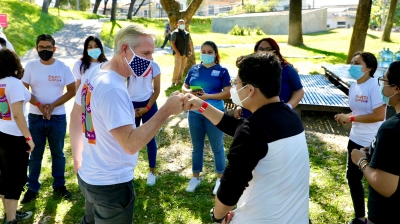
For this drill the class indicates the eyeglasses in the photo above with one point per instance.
(47, 48)
(265, 49)
(381, 82)
(234, 82)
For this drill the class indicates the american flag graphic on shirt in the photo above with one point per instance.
(141, 67)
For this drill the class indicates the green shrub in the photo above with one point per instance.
(259, 32)
(245, 31)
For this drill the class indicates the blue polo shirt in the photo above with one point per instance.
(212, 80)
(290, 83)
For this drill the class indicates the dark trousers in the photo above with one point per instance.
(167, 38)
(354, 177)
(107, 204)
(13, 165)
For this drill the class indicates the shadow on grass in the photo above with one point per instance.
(335, 58)
(372, 36)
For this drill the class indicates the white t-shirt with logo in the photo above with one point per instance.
(363, 99)
(47, 83)
(141, 88)
(11, 90)
(76, 70)
(105, 105)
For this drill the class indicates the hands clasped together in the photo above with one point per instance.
(46, 110)
(342, 118)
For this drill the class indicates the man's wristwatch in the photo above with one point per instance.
(214, 219)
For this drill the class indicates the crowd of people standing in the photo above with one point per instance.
(115, 115)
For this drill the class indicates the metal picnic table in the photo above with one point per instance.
(340, 73)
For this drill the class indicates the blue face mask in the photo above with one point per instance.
(385, 99)
(355, 71)
(207, 59)
(94, 53)
(182, 27)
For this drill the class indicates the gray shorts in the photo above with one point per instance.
(109, 203)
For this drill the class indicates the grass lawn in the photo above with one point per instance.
(26, 22)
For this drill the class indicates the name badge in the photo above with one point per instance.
(215, 73)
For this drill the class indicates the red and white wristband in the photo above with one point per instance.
(147, 107)
(351, 118)
(37, 104)
(203, 107)
(28, 138)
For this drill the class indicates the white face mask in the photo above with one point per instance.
(235, 96)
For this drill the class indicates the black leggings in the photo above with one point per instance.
(13, 165)
(354, 177)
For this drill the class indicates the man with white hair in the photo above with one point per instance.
(104, 139)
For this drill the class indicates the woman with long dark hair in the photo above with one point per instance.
(291, 88)
(210, 82)
(93, 54)
(15, 139)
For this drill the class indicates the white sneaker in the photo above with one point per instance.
(151, 179)
(217, 183)
(193, 184)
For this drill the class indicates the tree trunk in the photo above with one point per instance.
(173, 9)
(105, 7)
(57, 4)
(45, 6)
(130, 10)
(295, 37)
(96, 6)
(389, 21)
(137, 10)
(113, 10)
(360, 28)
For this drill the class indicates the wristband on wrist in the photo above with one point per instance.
(352, 118)
(203, 107)
(147, 107)
(362, 159)
(289, 105)
(37, 104)
(213, 217)
(28, 138)
(364, 167)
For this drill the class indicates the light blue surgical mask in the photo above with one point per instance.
(182, 27)
(207, 59)
(385, 99)
(355, 71)
(94, 53)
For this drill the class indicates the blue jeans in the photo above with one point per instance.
(54, 131)
(199, 126)
(152, 145)
(108, 203)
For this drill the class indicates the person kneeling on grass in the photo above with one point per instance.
(267, 177)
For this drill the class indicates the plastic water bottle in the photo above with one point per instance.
(380, 58)
(387, 58)
(397, 55)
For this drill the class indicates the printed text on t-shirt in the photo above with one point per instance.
(361, 99)
(54, 78)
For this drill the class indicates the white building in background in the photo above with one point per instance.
(283, 5)
(341, 16)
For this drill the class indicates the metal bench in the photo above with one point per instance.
(321, 95)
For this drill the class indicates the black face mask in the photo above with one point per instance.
(45, 55)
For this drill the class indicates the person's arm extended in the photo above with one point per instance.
(224, 94)
(296, 97)
(132, 140)
(383, 182)
(378, 114)
(75, 135)
(220, 210)
(211, 113)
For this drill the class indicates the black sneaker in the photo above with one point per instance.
(358, 221)
(62, 192)
(29, 196)
(22, 215)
